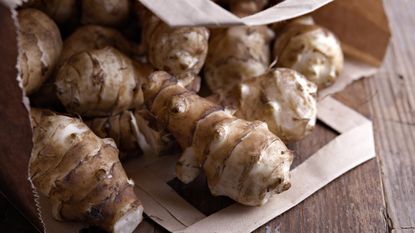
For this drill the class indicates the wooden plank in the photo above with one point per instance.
(392, 108)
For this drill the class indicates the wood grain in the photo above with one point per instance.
(393, 112)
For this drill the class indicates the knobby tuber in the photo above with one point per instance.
(101, 82)
(133, 132)
(175, 50)
(311, 50)
(241, 159)
(40, 45)
(97, 37)
(283, 98)
(82, 176)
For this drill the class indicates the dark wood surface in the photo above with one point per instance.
(378, 196)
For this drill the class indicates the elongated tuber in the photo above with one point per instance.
(283, 98)
(105, 12)
(242, 159)
(97, 37)
(175, 50)
(236, 54)
(101, 82)
(82, 176)
(311, 50)
(40, 45)
(134, 132)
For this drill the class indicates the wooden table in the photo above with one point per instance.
(378, 196)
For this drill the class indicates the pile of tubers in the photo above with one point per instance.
(119, 83)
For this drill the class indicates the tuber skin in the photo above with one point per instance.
(283, 98)
(241, 159)
(61, 11)
(236, 54)
(82, 176)
(105, 12)
(101, 82)
(175, 50)
(311, 50)
(40, 45)
(133, 132)
(97, 37)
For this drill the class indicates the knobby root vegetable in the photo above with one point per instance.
(236, 54)
(105, 12)
(97, 37)
(37, 114)
(133, 132)
(175, 50)
(283, 98)
(82, 176)
(40, 45)
(241, 159)
(311, 50)
(61, 11)
(101, 82)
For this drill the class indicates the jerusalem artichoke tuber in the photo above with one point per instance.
(236, 54)
(311, 50)
(101, 82)
(40, 45)
(175, 50)
(82, 176)
(241, 159)
(283, 98)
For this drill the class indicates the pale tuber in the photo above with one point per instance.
(40, 45)
(175, 50)
(101, 82)
(241, 159)
(283, 98)
(236, 54)
(311, 50)
(82, 176)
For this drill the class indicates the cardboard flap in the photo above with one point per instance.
(207, 13)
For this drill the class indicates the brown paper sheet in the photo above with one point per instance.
(207, 13)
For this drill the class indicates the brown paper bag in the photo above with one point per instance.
(364, 35)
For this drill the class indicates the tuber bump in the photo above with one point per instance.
(61, 11)
(241, 159)
(40, 45)
(311, 50)
(101, 82)
(82, 176)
